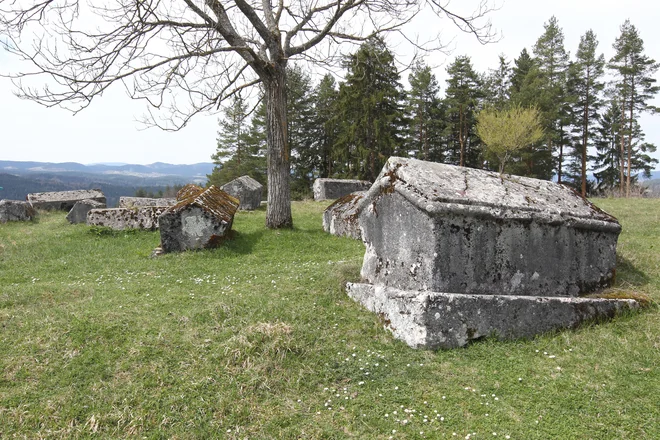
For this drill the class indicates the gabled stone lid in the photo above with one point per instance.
(212, 200)
(436, 188)
(246, 182)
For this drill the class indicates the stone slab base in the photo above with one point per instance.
(448, 320)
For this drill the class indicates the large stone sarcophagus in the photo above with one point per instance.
(448, 239)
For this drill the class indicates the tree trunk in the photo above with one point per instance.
(622, 153)
(585, 129)
(278, 214)
(461, 140)
(630, 133)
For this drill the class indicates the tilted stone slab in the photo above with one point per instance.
(126, 218)
(141, 202)
(445, 320)
(245, 189)
(341, 217)
(202, 220)
(430, 226)
(330, 189)
(64, 200)
(16, 211)
(78, 213)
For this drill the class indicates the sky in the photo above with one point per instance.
(109, 131)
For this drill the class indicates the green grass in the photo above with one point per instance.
(257, 339)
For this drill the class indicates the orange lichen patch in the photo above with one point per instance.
(212, 200)
(188, 190)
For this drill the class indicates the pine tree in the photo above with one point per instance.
(325, 127)
(552, 60)
(634, 86)
(585, 84)
(497, 86)
(237, 154)
(463, 95)
(299, 116)
(424, 115)
(370, 109)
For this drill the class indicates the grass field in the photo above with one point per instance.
(258, 340)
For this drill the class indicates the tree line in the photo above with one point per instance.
(588, 111)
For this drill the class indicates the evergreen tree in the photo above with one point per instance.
(552, 60)
(325, 127)
(634, 86)
(585, 84)
(236, 154)
(370, 109)
(299, 116)
(424, 115)
(463, 95)
(498, 84)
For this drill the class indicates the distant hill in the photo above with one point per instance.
(18, 179)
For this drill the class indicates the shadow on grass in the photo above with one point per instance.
(242, 243)
(626, 272)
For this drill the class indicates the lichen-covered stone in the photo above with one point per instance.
(16, 211)
(187, 191)
(247, 190)
(126, 218)
(446, 320)
(200, 220)
(330, 189)
(78, 213)
(141, 202)
(430, 226)
(64, 200)
(341, 217)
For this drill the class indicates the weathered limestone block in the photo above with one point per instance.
(328, 189)
(341, 217)
(199, 221)
(430, 226)
(126, 218)
(245, 189)
(16, 211)
(64, 200)
(141, 202)
(78, 213)
(447, 320)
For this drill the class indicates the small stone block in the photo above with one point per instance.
(78, 213)
(341, 217)
(330, 189)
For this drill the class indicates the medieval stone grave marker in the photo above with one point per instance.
(245, 189)
(16, 211)
(200, 220)
(341, 217)
(78, 213)
(141, 202)
(63, 200)
(126, 218)
(330, 189)
(443, 232)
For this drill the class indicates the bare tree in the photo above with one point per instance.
(185, 57)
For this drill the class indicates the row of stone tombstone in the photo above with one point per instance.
(456, 254)
(196, 218)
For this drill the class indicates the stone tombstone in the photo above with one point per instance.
(126, 218)
(188, 190)
(141, 202)
(202, 220)
(78, 213)
(455, 254)
(431, 226)
(64, 200)
(16, 211)
(245, 189)
(330, 189)
(341, 217)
